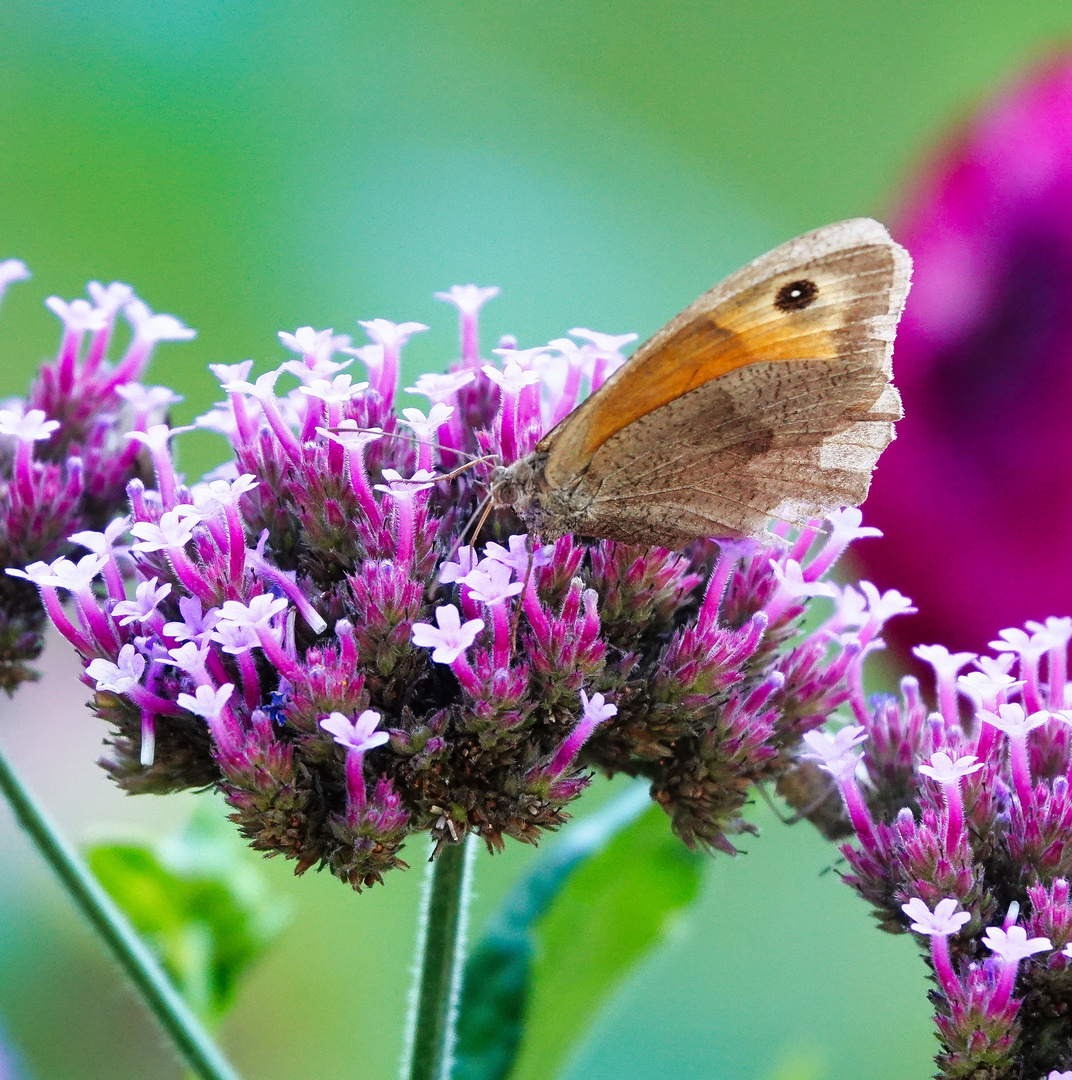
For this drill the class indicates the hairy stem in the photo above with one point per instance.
(199, 1052)
(430, 1034)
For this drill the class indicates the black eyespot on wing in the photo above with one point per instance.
(796, 295)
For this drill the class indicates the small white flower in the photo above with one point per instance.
(196, 625)
(149, 328)
(596, 709)
(424, 427)
(440, 388)
(231, 373)
(1014, 721)
(605, 343)
(996, 665)
(223, 492)
(850, 609)
(157, 437)
(189, 657)
(109, 298)
(468, 299)
(491, 583)
(512, 378)
(147, 399)
(388, 334)
(78, 316)
(360, 734)
(847, 525)
(465, 561)
(175, 530)
(257, 614)
(943, 921)
(835, 753)
(1058, 630)
(518, 557)
(146, 598)
(1014, 945)
(945, 770)
(884, 606)
(399, 487)
(981, 687)
(12, 270)
(76, 577)
(1026, 646)
(263, 389)
(451, 638)
(791, 579)
(102, 543)
(39, 573)
(337, 391)
(206, 702)
(316, 345)
(30, 426)
(945, 663)
(120, 677)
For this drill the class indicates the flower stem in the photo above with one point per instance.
(430, 1034)
(191, 1040)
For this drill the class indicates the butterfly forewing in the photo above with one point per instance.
(767, 397)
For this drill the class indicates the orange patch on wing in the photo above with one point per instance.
(700, 352)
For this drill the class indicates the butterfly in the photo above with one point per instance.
(768, 398)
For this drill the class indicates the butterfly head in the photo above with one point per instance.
(512, 485)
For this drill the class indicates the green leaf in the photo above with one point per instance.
(197, 903)
(566, 934)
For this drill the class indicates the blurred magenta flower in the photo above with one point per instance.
(975, 495)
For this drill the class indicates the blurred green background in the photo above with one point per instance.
(258, 166)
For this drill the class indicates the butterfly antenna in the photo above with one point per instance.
(480, 512)
(466, 467)
(484, 510)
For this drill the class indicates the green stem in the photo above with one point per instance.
(430, 1035)
(198, 1050)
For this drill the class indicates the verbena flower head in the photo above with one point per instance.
(65, 452)
(317, 632)
(963, 821)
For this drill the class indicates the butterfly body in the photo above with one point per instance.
(769, 397)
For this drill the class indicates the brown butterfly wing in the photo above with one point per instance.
(769, 397)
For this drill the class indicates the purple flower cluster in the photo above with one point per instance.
(313, 630)
(65, 451)
(963, 818)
